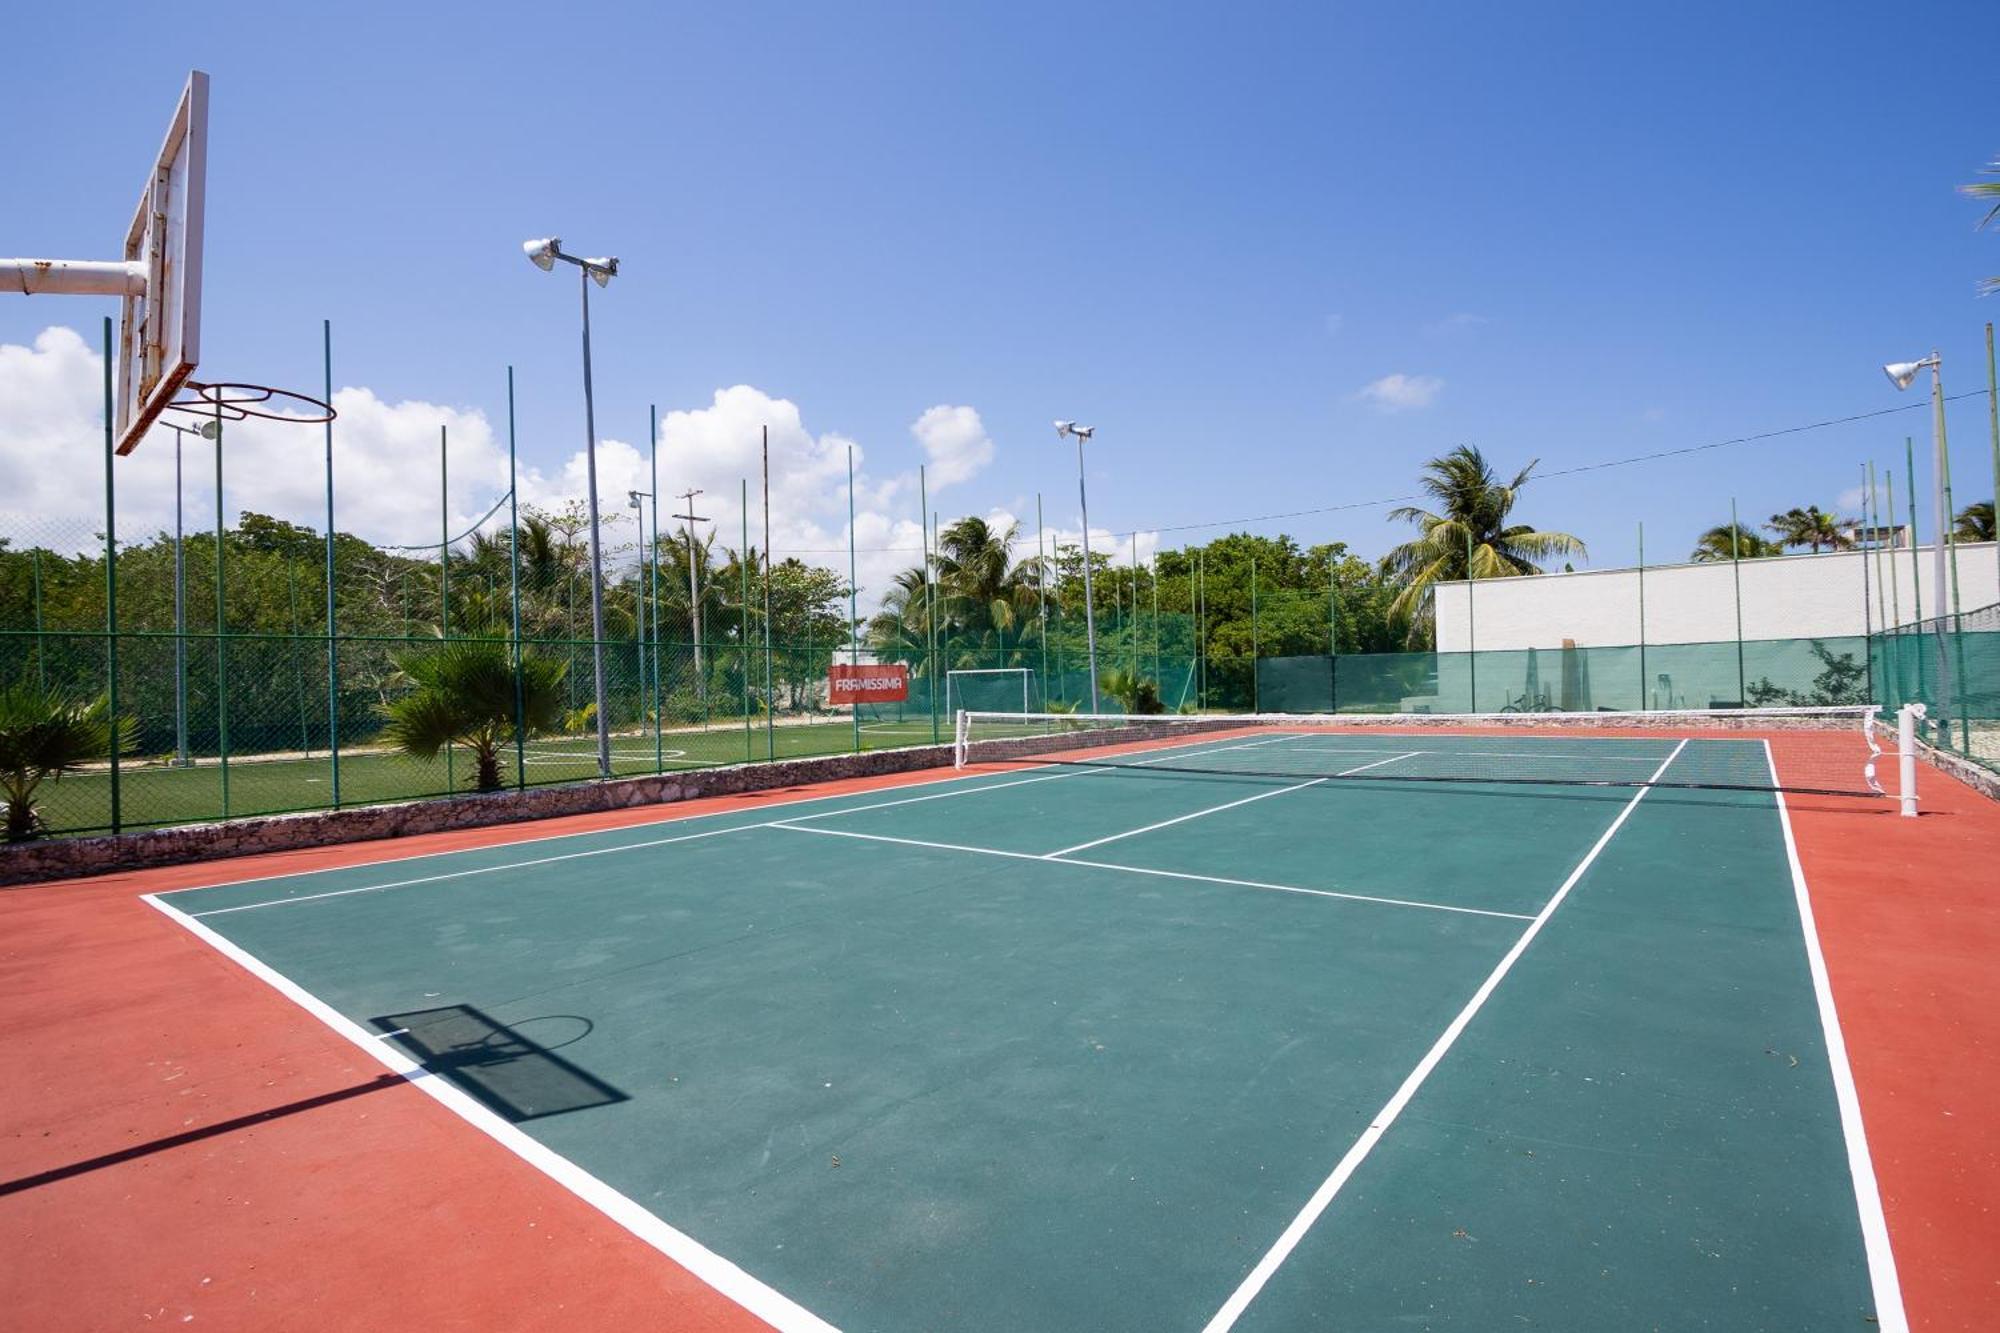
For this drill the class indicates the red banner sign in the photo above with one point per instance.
(879, 684)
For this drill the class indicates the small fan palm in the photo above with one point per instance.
(464, 694)
(43, 736)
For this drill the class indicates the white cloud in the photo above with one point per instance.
(1849, 501)
(386, 470)
(955, 443)
(1400, 392)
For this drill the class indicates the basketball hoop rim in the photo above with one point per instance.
(237, 401)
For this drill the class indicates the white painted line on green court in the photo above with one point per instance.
(1889, 1313)
(768, 1304)
(1246, 1291)
(1148, 870)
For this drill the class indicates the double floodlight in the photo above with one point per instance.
(1903, 373)
(544, 252)
(1065, 428)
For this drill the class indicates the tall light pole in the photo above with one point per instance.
(1082, 433)
(694, 589)
(1902, 374)
(207, 431)
(544, 253)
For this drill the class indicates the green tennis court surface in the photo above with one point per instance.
(1074, 1048)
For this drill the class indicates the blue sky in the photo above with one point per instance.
(1576, 232)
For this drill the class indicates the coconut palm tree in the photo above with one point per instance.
(1812, 527)
(464, 694)
(1717, 544)
(1975, 523)
(1468, 533)
(44, 735)
(1984, 190)
(986, 593)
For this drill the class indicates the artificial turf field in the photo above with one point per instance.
(1068, 1048)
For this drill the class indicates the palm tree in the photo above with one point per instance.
(1975, 523)
(1813, 527)
(1470, 535)
(985, 592)
(1717, 544)
(464, 694)
(1983, 190)
(45, 735)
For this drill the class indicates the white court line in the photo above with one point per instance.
(1889, 1313)
(1239, 1300)
(624, 846)
(1218, 809)
(772, 1306)
(1163, 874)
(1488, 754)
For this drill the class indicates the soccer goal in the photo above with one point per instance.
(991, 690)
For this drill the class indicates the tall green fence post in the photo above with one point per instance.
(770, 695)
(1255, 638)
(1736, 574)
(41, 644)
(1867, 609)
(1332, 634)
(1042, 592)
(332, 606)
(653, 597)
(1471, 633)
(1643, 685)
(221, 631)
(1993, 431)
(111, 585)
(1916, 558)
(444, 575)
(853, 600)
(514, 594)
(743, 577)
(930, 600)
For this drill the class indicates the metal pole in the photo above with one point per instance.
(770, 699)
(1895, 590)
(1916, 546)
(180, 616)
(111, 585)
(444, 539)
(1471, 632)
(1254, 699)
(653, 594)
(221, 631)
(930, 601)
(694, 601)
(1159, 666)
(298, 663)
(332, 608)
(1867, 609)
(1884, 574)
(1993, 430)
(853, 594)
(41, 645)
(1042, 588)
(514, 595)
(1132, 627)
(1642, 616)
(1089, 596)
(596, 545)
(1947, 553)
(1736, 572)
(1201, 629)
(743, 575)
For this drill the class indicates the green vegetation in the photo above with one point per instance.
(42, 737)
(465, 692)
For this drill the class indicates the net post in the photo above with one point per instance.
(1906, 758)
(959, 738)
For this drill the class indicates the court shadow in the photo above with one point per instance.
(505, 1070)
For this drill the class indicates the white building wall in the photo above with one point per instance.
(1783, 597)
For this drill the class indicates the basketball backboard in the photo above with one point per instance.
(159, 333)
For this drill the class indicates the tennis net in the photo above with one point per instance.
(1821, 751)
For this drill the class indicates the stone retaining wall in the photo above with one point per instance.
(65, 858)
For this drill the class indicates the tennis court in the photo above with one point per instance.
(1277, 1028)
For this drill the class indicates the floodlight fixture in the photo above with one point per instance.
(601, 271)
(1902, 374)
(544, 252)
(1082, 433)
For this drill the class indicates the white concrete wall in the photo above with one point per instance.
(1784, 597)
